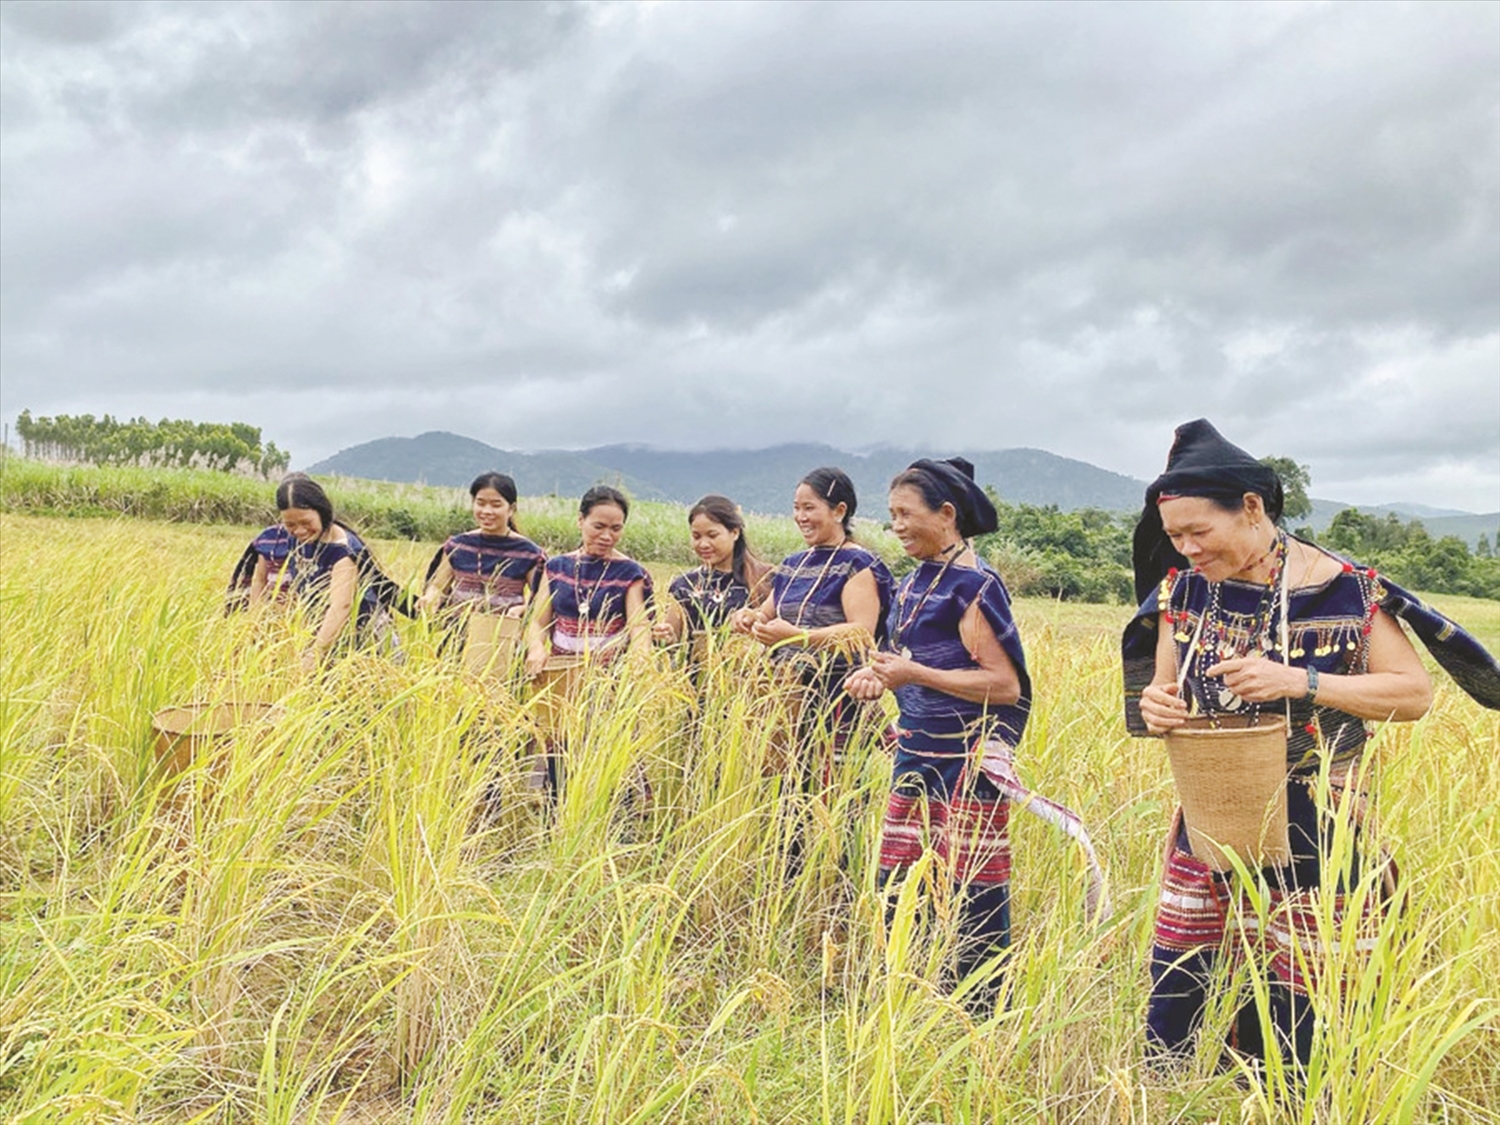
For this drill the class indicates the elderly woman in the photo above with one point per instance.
(959, 677)
(1239, 618)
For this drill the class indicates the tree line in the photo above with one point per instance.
(1084, 555)
(171, 443)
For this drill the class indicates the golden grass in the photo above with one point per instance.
(317, 924)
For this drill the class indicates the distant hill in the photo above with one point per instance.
(760, 480)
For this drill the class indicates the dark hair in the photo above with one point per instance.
(499, 482)
(834, 487)
(724, 512)
(926, 484)
(301, 491)
(1271, 496)
(505, 486)
(603, 494)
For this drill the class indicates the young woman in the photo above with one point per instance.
(326, 569)
(1238, 618)
(264, 570)
(492, 568)
(823, 601)
(591, 608)
(956, 667)
(730, 578)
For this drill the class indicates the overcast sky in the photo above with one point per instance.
(1069, 226)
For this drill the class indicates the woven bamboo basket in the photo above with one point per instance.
(490, 643)
(555, 689)
(1231, 781)
(183, 735)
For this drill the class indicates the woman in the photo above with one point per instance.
(730, 578)
(1239, 618)
(263, 572)
(591, 606)
(958, 672)
(491, 568)
(326, 566)
(824, 602)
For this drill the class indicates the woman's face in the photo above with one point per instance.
(492, 512)
(819, 524)
(304, 524)
(1219, 544)
(713, 542)
(601, 528)
(923, 532)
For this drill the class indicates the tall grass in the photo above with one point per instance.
(360, 913)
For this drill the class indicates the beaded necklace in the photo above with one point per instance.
(833, 553)
(949, 554)
(1216, 638)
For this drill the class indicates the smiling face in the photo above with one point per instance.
(713, 542)
(1220, 544)
(304, 524)
(819, 524)
(924, 533)
(492, 512)
(601, 527)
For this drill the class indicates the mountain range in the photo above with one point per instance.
(762, 480)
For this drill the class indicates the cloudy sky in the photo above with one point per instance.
(1068, 226)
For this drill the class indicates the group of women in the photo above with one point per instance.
(1236, 618)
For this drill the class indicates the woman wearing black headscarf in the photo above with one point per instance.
(958, 672)
(1238, 619)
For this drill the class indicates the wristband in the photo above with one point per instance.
(1312, 685)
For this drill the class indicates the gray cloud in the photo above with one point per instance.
(547, 224)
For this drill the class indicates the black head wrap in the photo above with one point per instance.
(1201, 463)
(954, 481)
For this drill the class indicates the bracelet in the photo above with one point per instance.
(1312, 685)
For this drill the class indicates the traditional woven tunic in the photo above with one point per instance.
(275, 546)
(939, 798)
(312, 567)
(492, 573)
(588, 603)
(807, 590)
(708, 597)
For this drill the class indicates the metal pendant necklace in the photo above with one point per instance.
(833, 553)
(585, 600)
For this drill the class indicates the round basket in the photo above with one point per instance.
(184, 734)
(490, 643)
(1231, 780)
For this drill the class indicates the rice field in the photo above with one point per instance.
(360, 913)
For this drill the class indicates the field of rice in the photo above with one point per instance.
(325, 922)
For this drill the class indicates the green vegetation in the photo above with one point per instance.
(1411, 557)
(170, 443)
(1082, 555)
(315, 924)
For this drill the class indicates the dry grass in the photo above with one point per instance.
(319, 927)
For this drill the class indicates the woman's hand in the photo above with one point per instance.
(895, 670)
(1258, 680)
(864, 685)
(536, 660)
(311, 658)
(742, 621)
(775, 631)
(1163, 708)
